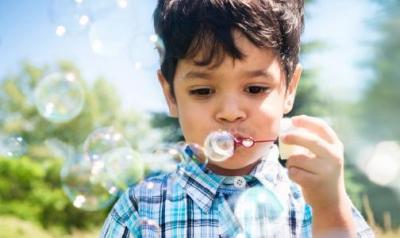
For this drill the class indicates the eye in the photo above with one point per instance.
(202, 92)
(256, 89)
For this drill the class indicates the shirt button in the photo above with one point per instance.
(270, 178)
(239, 182)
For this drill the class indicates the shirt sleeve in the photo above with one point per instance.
(363, 229)
(123, 220)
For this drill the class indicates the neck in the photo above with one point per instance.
(232, 172)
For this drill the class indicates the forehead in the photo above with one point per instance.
(254, 58)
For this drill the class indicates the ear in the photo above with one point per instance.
(291, 90)
(172, 106)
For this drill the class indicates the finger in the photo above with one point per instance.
(314, 143)
(303, 177)
(317, 125)
(305, 162)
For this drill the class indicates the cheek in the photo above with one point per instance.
(268, 117)
(194, 125)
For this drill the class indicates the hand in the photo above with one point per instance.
(320, 171)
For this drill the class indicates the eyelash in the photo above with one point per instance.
(260, 89)
(201, 92)
(205, 92)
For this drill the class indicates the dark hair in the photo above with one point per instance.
(190, 26)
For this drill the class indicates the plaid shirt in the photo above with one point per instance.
(194, 202)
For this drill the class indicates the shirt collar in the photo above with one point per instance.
(202, 185)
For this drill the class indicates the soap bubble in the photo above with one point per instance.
(102, 141)
(69, 16)
(111, 34)
(259, 211)
(87, 184)
(219, 146)
(163, 159)
(12, 146)
(97, 8)
(124, 166)
(59, 97)
(147, 51)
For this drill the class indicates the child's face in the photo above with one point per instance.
(246, 97)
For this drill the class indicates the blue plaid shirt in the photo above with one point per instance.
(194, 202)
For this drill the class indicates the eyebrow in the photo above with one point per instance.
(246, 74)
(197, 75)
(258, 73)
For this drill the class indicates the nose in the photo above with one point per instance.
(230, 109)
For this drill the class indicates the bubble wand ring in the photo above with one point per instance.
(248, 142)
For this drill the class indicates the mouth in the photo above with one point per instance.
(239, 133)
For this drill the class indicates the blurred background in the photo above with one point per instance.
(82, 116)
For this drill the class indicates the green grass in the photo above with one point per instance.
(14, 227)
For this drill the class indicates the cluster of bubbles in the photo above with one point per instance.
(113, 27)
(107, 166)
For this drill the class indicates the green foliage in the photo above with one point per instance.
(14, 227)
(33, 192)
(378, 111)
(30, 187)
(380, 104)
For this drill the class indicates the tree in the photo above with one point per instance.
(379, 110)
(380, 103)
(30, 187)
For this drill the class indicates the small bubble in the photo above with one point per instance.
(59, 97)
(259, 211)
(12, 146)
(219, 146)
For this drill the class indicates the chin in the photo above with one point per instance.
(237, 161)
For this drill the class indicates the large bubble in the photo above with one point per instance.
(124, 165)
(112, 34)
(99, 8)
(12, 146)
(147, 52)
(259, 211)
(102, 141)
(59, 97)
(87, 184)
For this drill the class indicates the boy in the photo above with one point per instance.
(233, 65)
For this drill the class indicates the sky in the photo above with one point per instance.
(27, 33)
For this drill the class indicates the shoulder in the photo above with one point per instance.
(136, 203)
(149, 193)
